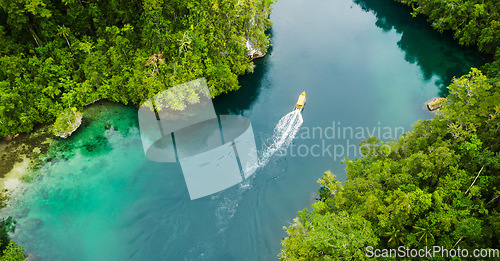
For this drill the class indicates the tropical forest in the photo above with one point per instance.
(77, 182)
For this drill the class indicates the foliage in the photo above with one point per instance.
(437, 185)
(56, 55)
(327, 235)
(64, 54)
(67, 122)
(474, 22)
(13, 252)
(7, 225)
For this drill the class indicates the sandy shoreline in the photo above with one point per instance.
(19, 157)
(12, 180)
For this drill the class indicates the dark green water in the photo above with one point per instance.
(363, 64)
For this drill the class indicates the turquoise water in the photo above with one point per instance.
(364, 64)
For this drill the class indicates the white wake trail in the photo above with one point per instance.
(284, 134)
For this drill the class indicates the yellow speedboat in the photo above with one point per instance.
(301, 101)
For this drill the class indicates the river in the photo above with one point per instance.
(367, 66)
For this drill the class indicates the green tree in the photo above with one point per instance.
(13, 252)
(110, 48)
(67, 122)
(64, 32)
(320, 235)
(7, 225)
(435, 185)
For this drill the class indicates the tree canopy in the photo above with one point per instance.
(56, 55)
(436, 185)
(473, 22)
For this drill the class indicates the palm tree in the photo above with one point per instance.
(185, 42)
(64, 31)
(426, 232)
(395, 236)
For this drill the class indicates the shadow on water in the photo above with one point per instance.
(237, 102)
(435, 53)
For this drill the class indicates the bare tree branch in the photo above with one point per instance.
(474, 180)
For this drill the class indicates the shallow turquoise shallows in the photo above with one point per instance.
(367, 68)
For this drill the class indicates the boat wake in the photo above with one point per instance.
(284, 133)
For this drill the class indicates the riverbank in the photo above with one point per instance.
(106, 201)
(126, 58)
(438, 181)
(24, 147)
(19, 157)
(22, 156)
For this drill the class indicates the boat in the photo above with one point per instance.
(301, 101)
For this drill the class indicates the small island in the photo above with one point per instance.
(67, 122)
